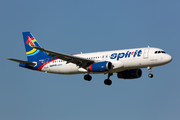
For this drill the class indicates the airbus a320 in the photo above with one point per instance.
(126, 63)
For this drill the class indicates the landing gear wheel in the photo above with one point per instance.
(87, 77)
(150, 75)
(149, 69)
(107, 82)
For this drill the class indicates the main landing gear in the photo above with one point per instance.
(87, 77)
(106, 81)
(150, 75)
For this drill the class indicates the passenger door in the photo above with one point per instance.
(146, 53)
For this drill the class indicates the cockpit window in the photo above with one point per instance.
(157, 52)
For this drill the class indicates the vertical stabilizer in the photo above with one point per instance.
(32, 53)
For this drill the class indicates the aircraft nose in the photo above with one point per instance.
(168, 58)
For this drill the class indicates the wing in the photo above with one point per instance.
(79, 61)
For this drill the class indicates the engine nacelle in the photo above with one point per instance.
(100, 66)
(130, 74)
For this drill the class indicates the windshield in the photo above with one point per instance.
(157, 52)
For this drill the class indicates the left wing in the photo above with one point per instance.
(79, 61)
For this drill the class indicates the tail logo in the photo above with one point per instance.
(30, 42)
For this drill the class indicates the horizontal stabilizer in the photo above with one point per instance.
(21, 61)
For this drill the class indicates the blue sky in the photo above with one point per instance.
(71, 27)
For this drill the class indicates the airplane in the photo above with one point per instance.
(126, 63)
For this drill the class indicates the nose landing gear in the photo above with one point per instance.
(150, 75)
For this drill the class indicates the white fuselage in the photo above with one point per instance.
(120, 59)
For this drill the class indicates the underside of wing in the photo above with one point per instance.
(82, 62)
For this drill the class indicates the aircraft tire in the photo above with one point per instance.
(87, 77)
(150, 75)
(107, 82)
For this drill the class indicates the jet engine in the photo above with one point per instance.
(130, 74)
(100, 66)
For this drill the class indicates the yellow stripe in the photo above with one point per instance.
(29, 52)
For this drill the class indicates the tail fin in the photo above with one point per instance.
(32, 53)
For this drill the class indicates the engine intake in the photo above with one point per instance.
(100, 66)
(130, 74)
